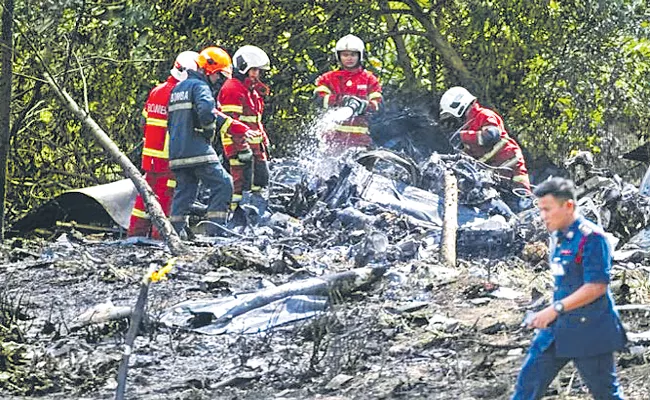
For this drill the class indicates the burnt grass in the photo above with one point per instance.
(422, 332)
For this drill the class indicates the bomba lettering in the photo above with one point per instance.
(156, 109)
(179, 96)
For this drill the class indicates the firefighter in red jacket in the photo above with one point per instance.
(242, 98)
(484, 136)
(351, 86)
(155, 152)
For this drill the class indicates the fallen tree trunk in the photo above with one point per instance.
(153, 207)
(335, 284)
(450, 220)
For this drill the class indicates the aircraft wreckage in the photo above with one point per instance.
(374, 208)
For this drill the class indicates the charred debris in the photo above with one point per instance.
(331, 229)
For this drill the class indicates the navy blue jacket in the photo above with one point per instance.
(582, 255)
(191, 123)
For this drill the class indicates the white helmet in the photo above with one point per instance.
(247, 57)
(455, 102)
(184, 61)
(349, 43)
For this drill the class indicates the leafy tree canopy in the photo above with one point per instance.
(564, 74)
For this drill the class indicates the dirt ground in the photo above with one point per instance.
(423, 331)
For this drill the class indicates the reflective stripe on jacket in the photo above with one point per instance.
(155, 152)
(506, 153)
(191, 123)
(243, 103)
(331, 88)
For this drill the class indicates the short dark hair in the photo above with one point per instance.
(560, 188)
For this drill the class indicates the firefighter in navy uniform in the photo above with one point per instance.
(242, 98)
(352, 86)
(155, 152)
(581, 325)
(193, 119)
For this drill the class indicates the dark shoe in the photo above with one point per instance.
(213, 228)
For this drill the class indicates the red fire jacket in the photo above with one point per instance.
(243, 102)
(332, 86)
(236, 101)
(506, 153)
(155, 153)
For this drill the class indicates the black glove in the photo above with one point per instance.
(489, 136)
(357, 105)
(245, 156)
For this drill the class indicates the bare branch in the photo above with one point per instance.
(402, 32)
(447, 52)
(85, 84)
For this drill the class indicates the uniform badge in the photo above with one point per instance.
(566, 252)
(585, 229)
(557, 269)
(348, 83)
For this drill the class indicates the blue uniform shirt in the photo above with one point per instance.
(582, 255)
(191, 123)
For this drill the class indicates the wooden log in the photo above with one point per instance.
(450, 220)
(153, 207)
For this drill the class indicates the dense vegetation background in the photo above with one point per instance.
(564, 74)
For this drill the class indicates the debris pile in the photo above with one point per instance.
(335, 289)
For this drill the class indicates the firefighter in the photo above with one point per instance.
(484, 136)
(352, 86)
(155, 152)
(242, 98)
(193, 118)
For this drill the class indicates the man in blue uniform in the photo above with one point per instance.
(581, 325)
(192, 121)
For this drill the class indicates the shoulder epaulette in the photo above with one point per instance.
(585, 229)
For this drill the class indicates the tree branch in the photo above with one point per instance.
(396, 33)
(402, 54)
(36, 97)
(153, 206)
(447, 52)
(71, 43)
(85, 84)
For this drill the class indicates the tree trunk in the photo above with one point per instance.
(5, 108)
(448, 54)
(153, 207)
(450, 220)
(402, 54)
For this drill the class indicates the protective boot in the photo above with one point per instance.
(217, 223)
(237, 217)
(179, 223)
(259, 200)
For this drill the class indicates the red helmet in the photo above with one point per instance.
(215, 59)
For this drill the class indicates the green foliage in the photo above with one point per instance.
(562, 73)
